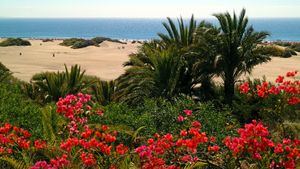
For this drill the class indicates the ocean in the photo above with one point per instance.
(285, 29)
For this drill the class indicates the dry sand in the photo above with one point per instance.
(104, 61)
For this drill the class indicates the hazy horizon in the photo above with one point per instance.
(150, 9)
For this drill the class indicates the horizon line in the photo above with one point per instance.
(210, 17)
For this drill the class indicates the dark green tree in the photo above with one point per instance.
(237, 49)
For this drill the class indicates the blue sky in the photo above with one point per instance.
(143, 8)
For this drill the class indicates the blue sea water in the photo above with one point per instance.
(286, 29)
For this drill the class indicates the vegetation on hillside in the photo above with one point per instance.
(292, 45)
(14, 42)
(76, 43)
(276, 51)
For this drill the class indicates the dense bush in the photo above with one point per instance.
(15, 42)
(77, 43)
(273, 50)
(160, 115)
(50, 86)
(274, 103)
(292, 45)
(17, 109)
(82, 144)
(4, 72)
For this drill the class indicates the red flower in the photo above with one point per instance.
(244, 88)
(88, 159)
(121, 149)
(214, 148)
(39, 144)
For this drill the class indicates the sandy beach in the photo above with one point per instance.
(104, 61)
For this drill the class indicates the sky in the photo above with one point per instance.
(145, 9)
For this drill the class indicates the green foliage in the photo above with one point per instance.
(272, 50)
(237, 47)
(50, 86)
(181, 35)
(52, 124)
(292, 45)
(11, 163)
(4, 72)
(77, 43)
(19, 110)
(271, 109)
(160, 116)
(152, 73)
(82, 44)
(15, 42)
(71, 41)
(103, 91)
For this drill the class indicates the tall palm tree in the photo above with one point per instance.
(238, 54)
(181, 36)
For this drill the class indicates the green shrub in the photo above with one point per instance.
(50, 86)
(71, 42)
(82, 44)
(15, 42)
(19, 110)
(296, 47)
(98, 40)
(271, 110)
(4, 72)
(77, 43)
(160, 115)
(272, 50)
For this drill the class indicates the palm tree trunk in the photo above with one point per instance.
(229, 89)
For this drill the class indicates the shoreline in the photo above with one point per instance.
(128, 40)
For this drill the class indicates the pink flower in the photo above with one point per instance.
(180, 118)
(188, 112)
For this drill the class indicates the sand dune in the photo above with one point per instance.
(104, 61)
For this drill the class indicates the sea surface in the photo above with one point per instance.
(286, 29)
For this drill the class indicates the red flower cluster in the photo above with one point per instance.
(83, 142)
(180, 149)
(254, 144)
(59, 162)
(288, 88)
(12, 137)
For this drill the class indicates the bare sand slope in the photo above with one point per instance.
(104, 61)
(277, 66)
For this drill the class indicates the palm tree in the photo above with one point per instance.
(104, 91)
(181, 35)
(51, 86)
(152, 73)
(237, 47)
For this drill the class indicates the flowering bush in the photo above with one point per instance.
(272, 102)
(84, 146)
(189, 146)
(90, 146)
(254, 146)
